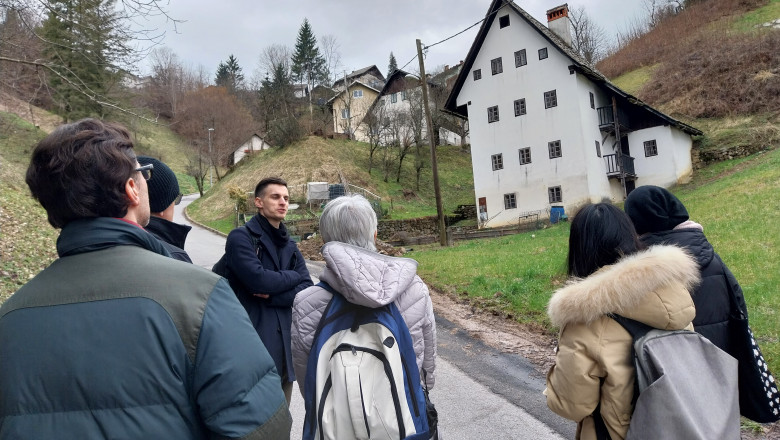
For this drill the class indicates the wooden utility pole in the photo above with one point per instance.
(619, 152)
(434, 166)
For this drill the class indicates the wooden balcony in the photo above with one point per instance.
(614, 170)
(607, 120)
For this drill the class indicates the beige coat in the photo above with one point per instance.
(593, 364)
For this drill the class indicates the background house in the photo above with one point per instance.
(349, 107)
(370, 76)
(549, 132)
(254, 143)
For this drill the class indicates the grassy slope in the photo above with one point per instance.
(738, 202)
(315, 159)
(26, 238)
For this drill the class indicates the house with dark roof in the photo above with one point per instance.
(349, 106)
(371, 76)
(548, 131)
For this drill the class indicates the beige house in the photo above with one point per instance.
(350, 107)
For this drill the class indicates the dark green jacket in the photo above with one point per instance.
(115, 341)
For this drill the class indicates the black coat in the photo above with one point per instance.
(171, 235)
(278, 272)
(712, 296)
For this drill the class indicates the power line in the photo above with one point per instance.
(451, 36)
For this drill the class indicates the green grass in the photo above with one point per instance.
(315, 159)
(738, 202)
(757, 17)
(633, 81)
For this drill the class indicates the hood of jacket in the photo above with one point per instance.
(691, 238)
(94, 234)
(650, 286)
(365, 277)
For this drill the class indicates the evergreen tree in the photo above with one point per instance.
(87, 41)
(307, 64)
(392, 66)
(229, 75)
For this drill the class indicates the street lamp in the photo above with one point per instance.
(211, 162)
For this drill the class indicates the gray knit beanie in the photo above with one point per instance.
(163, 186)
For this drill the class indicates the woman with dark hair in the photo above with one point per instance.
(611, 273)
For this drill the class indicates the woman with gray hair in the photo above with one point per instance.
(353, 268)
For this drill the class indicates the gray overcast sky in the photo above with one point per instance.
(366, 30)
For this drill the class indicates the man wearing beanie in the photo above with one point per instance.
(163, 196)
(660, 217)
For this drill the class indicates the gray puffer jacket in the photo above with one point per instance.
(369, 279)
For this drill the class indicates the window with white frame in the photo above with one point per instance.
(497, 160)
(525, 155)
(592, 100)
(503, 21)
(510, 201)
(520, 58)
(651, 148)
(598, 149)
(357, 93)
(394, 98)
(345, 113)
(550, 99)
(554, 194)
(477, 74)
(554, 148)
(492, 114)
(542, 53)
(496, 66)
(519, 107)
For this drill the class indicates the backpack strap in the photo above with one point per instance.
(634, 328)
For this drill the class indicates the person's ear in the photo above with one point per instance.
(133, 192)
(375, 233)
(258, 203)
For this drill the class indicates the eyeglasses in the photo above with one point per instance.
(177, 200)
(146, 171)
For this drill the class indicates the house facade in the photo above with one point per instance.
(548, 132)
(254, 143)
(349, 107)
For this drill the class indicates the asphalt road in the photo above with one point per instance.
(480, 393)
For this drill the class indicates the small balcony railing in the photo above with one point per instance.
(613, 168)
(607, 119)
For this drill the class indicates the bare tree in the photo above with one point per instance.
(589, 39)
(376, 123)
(329, 48)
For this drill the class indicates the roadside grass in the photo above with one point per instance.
(737, 202)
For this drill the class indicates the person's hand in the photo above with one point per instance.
(260, 295)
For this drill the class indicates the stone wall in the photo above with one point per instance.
(702, 158)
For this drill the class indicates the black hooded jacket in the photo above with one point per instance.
(712, 296)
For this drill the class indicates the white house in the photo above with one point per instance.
(548, 130)
(254, 143)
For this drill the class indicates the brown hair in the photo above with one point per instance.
(80, 171)
(260, 188)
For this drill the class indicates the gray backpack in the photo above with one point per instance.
(686, 387)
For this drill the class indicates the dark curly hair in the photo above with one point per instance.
(80, 171)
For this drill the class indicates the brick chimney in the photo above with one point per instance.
(558, 21)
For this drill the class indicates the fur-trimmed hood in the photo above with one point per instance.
(650, 286)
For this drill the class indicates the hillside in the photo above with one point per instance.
(714, 66)
(315, 159)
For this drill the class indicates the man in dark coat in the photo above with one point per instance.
(164, 194)
(660, 218)
(116, 339)
(266, 270)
